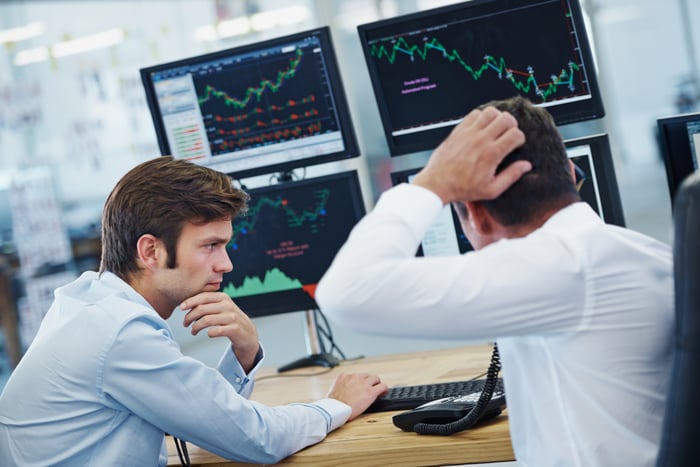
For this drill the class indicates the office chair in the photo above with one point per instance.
(680, 445)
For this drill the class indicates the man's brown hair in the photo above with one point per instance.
(549, 184)
(159, 197)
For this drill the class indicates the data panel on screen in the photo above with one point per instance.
(266, 107)
(679, 138)
(445, 237)
(430, 68)
(597, 186)
(285, 242)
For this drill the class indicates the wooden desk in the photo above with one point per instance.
(372, 439)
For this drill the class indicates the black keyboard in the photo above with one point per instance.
(410, 397)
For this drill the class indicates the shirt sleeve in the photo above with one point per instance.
(146, 374)
(231, 369)
(377, 285)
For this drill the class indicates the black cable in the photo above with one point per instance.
(322, 332)
(328, 334)
(295, 375)
(182, 452)
(471, 418)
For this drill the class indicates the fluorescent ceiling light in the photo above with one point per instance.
(233, 27)
(21, 33)
(270, 19)
(262, 21)
(291, 15)
(25, 57)
(86, 43)
(257, 22)
(226, 28)
(206, 33)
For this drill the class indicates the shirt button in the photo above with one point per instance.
(238, 379)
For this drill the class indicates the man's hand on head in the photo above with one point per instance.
(463, 166)
(221, 317)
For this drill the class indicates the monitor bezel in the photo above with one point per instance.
(349, 137)
(572, 112)
(608, 188)
(357, 201)
(678, 165)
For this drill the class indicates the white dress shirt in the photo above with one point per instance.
(582, 312)
(104, 379)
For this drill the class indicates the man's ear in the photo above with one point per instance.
(479, 218)
(572, 170)
(148, 250)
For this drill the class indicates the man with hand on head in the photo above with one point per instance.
(582, 312)
(104, 379)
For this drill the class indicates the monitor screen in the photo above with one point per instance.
(429, 69)
(445, 237)
(287, 239)
(266, 107)
(596, 178)
(597, 185)
(679, 138)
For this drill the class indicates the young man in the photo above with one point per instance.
(104, 380)
(582, 311)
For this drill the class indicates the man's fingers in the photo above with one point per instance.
(371, 379)
(501, 137)
(501, 124)
(509, 140)
(507, 177)
(200, 298)
(478, 118)
(486, 117)
(198, 305)
(471, 118)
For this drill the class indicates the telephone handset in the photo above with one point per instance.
(453, 414)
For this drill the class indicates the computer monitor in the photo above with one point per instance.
(266, 107)
(287, 239)
(679, 139)
(597, 186)
(430, 68)
(597, 180)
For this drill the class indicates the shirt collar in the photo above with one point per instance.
(579, 214)
(113, 281)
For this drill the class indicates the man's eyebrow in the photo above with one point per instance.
(215, 239)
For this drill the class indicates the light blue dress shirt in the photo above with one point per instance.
(104, 379)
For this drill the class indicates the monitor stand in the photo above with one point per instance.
(317, 354)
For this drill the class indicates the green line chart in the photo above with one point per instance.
(523, 81)
(294, 217)
(257, 91)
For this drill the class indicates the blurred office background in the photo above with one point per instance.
(73, 119)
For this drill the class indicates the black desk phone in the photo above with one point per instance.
(450, 415)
